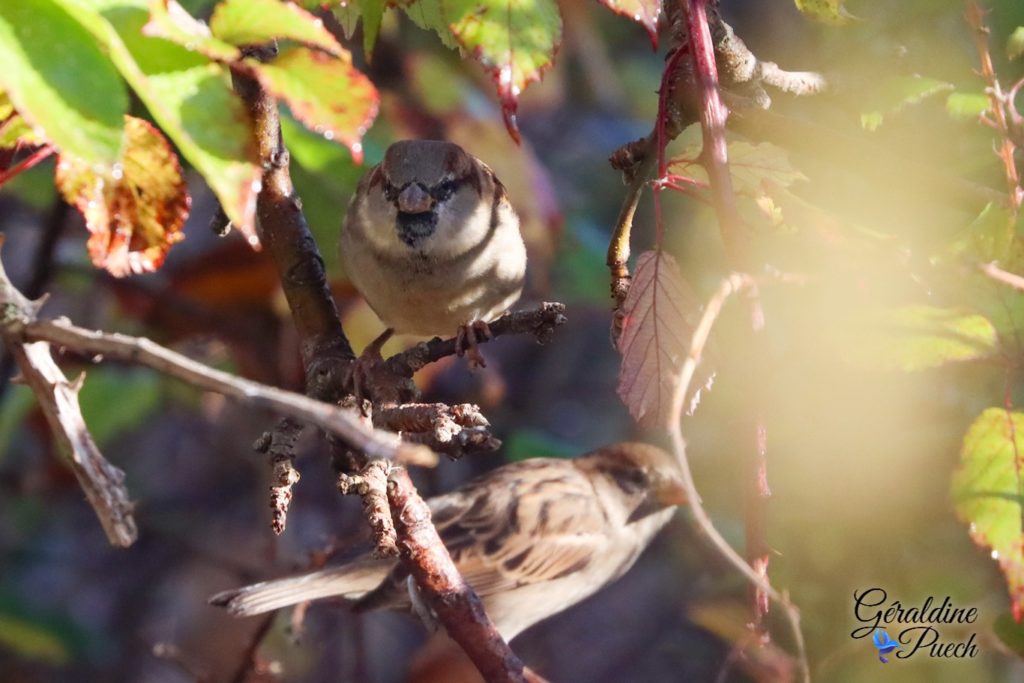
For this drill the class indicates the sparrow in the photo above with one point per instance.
(532, 538)
(433, 244)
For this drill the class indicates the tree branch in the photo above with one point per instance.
(454, 602)
(102, 483)
(343, 423)
(282, 228)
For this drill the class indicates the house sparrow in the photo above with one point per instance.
(433, 244)
(532, 538)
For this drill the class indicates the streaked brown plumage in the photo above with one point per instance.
(532, 538)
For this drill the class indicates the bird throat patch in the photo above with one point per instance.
(414, 228)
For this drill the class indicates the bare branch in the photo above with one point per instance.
(102, 483)
(454, 602)
(540, 322)
(344, 423)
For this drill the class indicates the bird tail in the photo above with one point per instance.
(350, 581)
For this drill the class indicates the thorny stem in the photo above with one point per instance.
(998, 104)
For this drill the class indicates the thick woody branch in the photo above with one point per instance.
(454, 602)
(102, 483)
(282, 228)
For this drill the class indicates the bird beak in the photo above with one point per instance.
(414, 199)
(672, 493)
(668, 494)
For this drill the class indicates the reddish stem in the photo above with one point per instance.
(26, 163)
(713, 113)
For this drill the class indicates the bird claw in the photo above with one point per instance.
(467, 342)
(363, 367)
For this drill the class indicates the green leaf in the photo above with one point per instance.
(749, 164)
(32, 640)
(987, 492)
(60, 80)
(372, 13)
(514, 40)
(894, 94)
(825, 11)
(256, 22)
(992, 236)
(169, 20)
(347, 13)
(1010, 633)
(915, 338)
(326, 93)
(114, 401)
(192, 100)
(1015, 44)
(428, 14)
(966, 106)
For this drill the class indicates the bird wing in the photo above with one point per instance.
(536, 521)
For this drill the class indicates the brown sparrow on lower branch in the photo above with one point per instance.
(433, 244)
(533, 538)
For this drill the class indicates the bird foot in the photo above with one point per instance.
(363, 367)
(467, 340)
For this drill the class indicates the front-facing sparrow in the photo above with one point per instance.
(533, 538)
(433, 244)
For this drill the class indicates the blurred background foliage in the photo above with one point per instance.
(860, 458)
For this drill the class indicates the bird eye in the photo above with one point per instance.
(390, 191)
(444, 190)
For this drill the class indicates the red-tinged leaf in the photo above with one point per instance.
(134, 211)
(255, 22)
(749, 164)
(168, 19)
(988, 493)
(644, 12)
(514, 40)
(658, 323)
(326, 93)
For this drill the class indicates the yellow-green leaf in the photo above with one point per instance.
(988, 493)
(825, 11)
(60, 80)
(894, 94)
(170, 20)
(255, 22)
(190, 97)
(915, 338)
(1015, 44)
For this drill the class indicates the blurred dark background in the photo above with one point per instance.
(860, 460)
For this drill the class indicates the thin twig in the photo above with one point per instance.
(540, 322)
(375, 443)
(1000, 275)
(733, 284)
(371, 484)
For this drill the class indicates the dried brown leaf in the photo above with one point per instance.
(135, 209)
